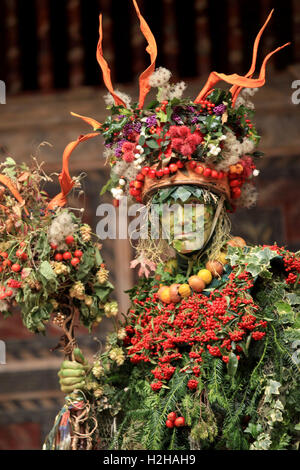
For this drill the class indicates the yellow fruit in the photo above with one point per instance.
(164, 294)
(222, 258)
(205, 275)
(184, 290)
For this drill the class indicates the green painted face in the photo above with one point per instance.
(187, 225)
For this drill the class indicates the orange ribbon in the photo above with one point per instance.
(10, 185)
(65, 180)
(152, 51)
(239, 81)
(105, 68)
(92, 122)
(235, 90)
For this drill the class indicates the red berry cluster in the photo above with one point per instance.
(206, 106)
(6, 263)
(173, 420)
(161, 333)
(205, 171)
(292, 267)
(67, 255)
(135, 187)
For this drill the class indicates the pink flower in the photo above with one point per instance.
(146, 266)
(187, 149)
(128, 147)
(173, 132)
(184, 131)
(128, 157)
(177, 143)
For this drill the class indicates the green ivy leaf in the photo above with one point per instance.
(283, 307)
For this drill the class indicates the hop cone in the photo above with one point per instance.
(102, 275)
(77, 291)
(33, 284)
(85, 231)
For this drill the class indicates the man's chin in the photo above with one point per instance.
(188, 246)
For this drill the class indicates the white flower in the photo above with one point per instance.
(223, 137)
(177, 90)
(117, 192)
(122, 182)
(160, 77)
(61, 227)
(214, 150)
(109, 100)
(256, 172)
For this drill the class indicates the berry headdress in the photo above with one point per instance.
(208, 142)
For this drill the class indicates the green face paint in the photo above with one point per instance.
(187, 225)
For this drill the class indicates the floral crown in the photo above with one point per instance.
(209, 141)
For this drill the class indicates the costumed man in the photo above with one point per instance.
(207, 355)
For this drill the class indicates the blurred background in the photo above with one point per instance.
(48, 64)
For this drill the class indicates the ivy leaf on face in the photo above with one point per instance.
(181, 193)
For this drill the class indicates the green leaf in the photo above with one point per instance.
(283, 307)
(142, 140)
(110, 184)
(9, 162)
(102, 292)
(46, 271)
(232, 364)
(98, 257)
(162, 116)
(294, 299)
(181, 193)
(152, 144)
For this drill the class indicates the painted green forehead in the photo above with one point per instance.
(183, 193)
